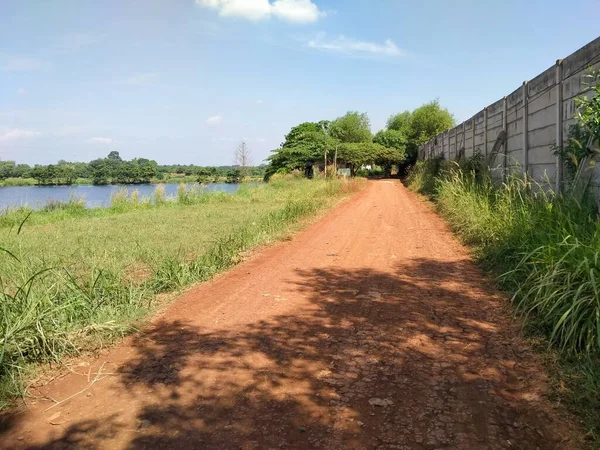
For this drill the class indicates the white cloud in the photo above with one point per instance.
(15, 134)
(140, 79)
(214, 120)
(350, 46)
(101, 140)
(297, 11)
(21, 91)
(17, 63)
(259, 102)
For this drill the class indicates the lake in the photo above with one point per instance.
(94, 196)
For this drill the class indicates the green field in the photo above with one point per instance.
(73, 278)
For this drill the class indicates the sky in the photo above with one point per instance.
(184, 81)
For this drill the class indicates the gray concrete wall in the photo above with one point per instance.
(537, 116)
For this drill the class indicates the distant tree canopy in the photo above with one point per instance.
(346, 142)
(303, 146)
(353, 127)
(114, 170)
(348, 138)
(419, 126)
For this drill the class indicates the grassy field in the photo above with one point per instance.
(544, 249)
(73, 278)
(9, 182)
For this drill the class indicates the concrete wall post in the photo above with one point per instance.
(525, 128)
(504, 127)
(485, 131)
(473, 136)
(559, 123)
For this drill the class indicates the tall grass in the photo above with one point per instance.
(545, 250)
(76, 284)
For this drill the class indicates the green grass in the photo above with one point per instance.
(83, 278)
(545, 251)
(8, 182)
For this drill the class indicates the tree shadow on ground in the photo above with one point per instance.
(420, 357)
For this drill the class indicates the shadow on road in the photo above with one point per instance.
(421, 357)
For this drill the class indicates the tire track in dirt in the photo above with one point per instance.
(371, 329)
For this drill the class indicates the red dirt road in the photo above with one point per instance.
(371, 329)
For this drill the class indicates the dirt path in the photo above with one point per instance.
(370, 329)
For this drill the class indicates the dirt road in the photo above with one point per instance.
(370, 329)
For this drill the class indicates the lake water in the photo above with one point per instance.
(94, 196)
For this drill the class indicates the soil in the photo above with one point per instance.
(371, 329)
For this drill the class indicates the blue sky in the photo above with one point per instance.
(184, 81)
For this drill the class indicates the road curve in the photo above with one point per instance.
(371, 329)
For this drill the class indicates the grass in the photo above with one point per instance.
(85, 278)
(544, 249)
(8, 182)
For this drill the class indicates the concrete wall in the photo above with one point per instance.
(536, 115)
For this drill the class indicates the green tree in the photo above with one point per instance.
(394, 142)
(400, 122)
(204, 175)
(358, 154)
(426, 122)
(351, 128)
(234, 176)
(100, 171)
(114, 155)
(305, 145)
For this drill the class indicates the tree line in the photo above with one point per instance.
(114, 170)
(347, 142)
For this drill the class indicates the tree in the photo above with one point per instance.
(394, 141)
(204, 175)
(358, 154)
(400, 122)
(305, 145)
(351, 128)
(100, 171)
(114, 155)
(41, 174)
(426, 122)
(234, 176)
(243, 158)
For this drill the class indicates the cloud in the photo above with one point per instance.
(296, 11)
(350, 46)
(140, 79)
(15, 134)
(101, 140)
(19, 63)
(214, 120)
(259, 102)
(21, 91)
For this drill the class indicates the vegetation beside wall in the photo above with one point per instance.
(544, 248)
